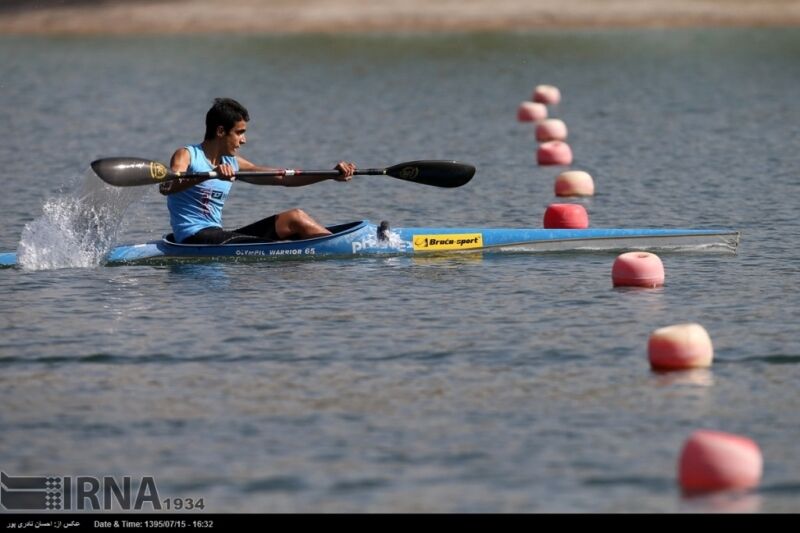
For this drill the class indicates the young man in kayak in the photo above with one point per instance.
(195, 204)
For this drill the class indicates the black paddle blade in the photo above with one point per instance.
(436, 173)
(131, 171)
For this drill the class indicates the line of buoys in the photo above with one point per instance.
(638, 269)
(710, 460)
(547, 94)
(714, 461)
(551, 129)
(552, 134)
(574, 183)
(680, 347)
(531, 112)
(566, 216)
(554, 153)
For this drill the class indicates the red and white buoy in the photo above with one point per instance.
(638, 269)
(574, 183)
(547, 94)
(680, 347)
(566, 216)
(531, 112)
(713, 461)
(554, 153)
(551, 129)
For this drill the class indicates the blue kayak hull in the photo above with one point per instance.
(366, 238)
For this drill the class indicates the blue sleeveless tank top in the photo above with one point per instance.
(200, 206)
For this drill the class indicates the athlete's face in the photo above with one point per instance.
(234, 138)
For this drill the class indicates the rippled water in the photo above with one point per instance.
(516, 383)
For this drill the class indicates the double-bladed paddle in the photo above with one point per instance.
(133, 171)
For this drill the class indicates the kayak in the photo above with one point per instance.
(364, 238)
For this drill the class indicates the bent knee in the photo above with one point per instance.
(294, 214)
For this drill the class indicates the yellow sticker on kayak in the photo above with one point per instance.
(448, 241)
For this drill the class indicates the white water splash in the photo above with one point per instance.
(76, 229)
(395, 241)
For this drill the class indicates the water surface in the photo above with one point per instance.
(474, 384)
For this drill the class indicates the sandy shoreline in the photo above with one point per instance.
(110, 17)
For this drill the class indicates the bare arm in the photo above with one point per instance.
(345, 169)
(179, 163)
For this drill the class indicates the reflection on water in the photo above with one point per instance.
(724, 502)
(700, 377)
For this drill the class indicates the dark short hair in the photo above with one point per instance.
(225, 112)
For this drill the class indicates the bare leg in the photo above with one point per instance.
(297, 224)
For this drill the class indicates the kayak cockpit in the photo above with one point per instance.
(336, 230)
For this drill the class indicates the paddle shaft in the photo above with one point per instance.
(277, 172)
